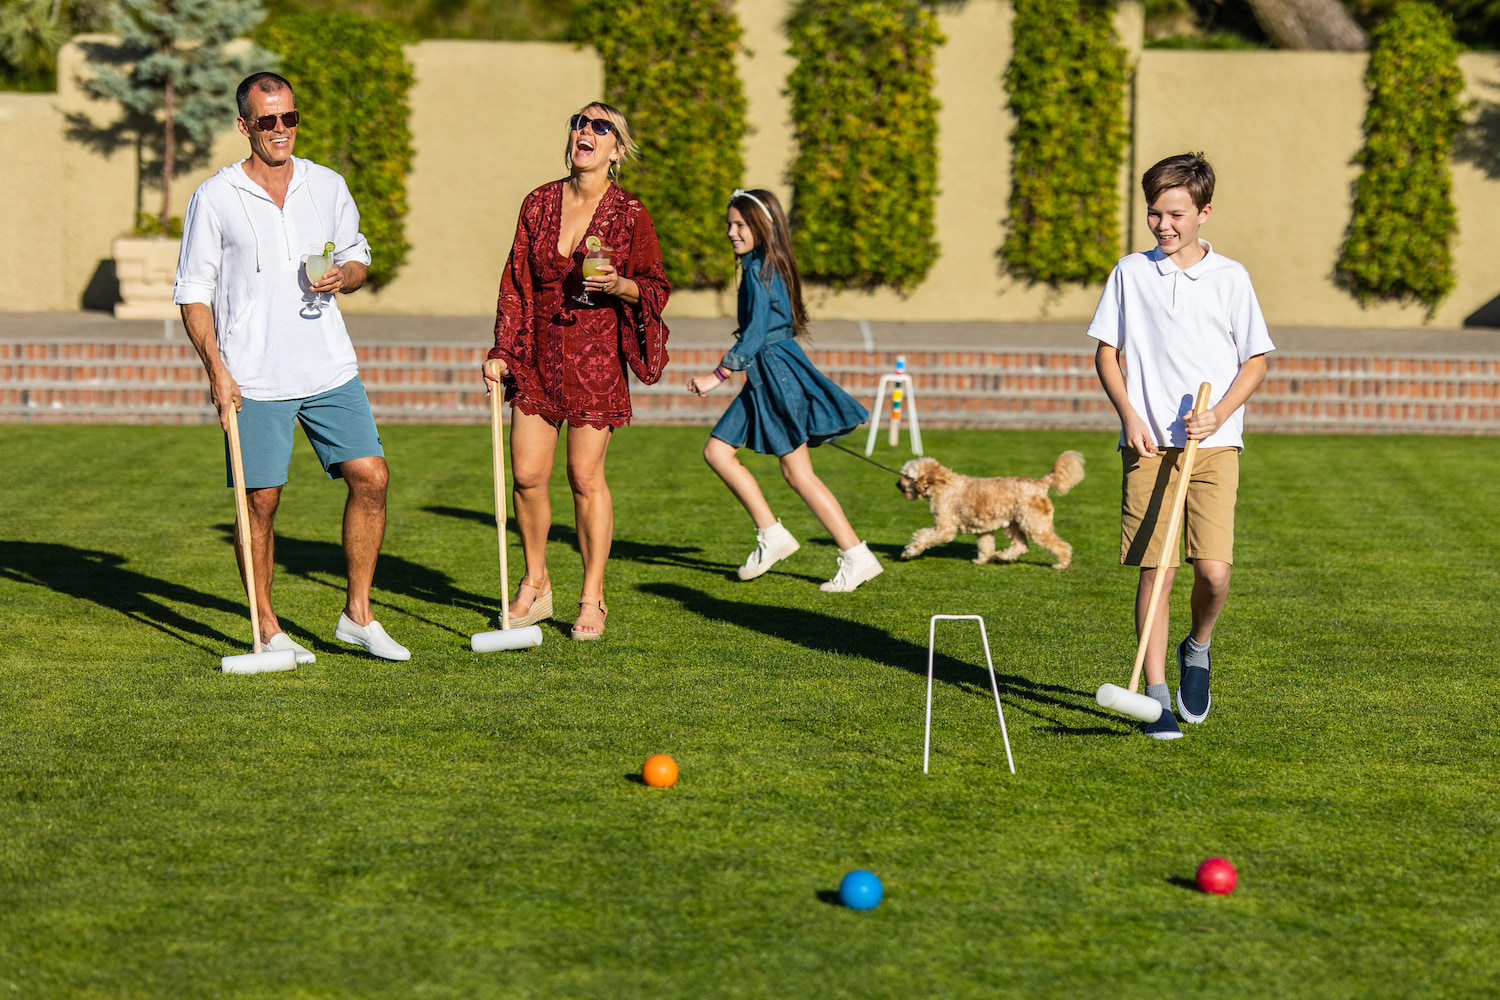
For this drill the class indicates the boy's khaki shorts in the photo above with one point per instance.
(1150, 484)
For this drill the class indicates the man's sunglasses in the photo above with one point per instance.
(601, 126)
(267, 123)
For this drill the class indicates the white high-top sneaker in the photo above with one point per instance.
(856, 565)
(772, 545)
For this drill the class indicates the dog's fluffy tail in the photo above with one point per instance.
(1067, 472)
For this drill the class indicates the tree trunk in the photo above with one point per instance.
(169, 154)
(1309, 24)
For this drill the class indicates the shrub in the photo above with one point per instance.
(1066, 81)
(669, 65)
(865, 173)
(1397, 247)
(352, 79)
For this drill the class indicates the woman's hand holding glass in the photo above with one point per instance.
(610, 281)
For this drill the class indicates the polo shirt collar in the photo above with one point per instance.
(1164, 265)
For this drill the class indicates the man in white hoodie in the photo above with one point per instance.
(274, 343)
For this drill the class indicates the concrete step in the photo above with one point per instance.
(163, 382)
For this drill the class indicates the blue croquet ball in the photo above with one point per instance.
(860, 890)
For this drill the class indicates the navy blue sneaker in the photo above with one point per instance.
(1193, 698)
(1164, 728)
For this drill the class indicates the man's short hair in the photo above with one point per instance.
(1185, 170)
(266, 83)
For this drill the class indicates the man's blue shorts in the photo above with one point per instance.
(338, 424)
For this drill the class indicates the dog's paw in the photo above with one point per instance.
(910, 552)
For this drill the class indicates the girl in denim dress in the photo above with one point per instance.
(787, 405)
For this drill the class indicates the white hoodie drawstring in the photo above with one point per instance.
(253, 233)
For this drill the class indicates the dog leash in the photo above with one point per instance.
(864, 459)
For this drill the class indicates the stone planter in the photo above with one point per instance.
(146, 267)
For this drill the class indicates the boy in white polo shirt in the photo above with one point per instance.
(1170, 319)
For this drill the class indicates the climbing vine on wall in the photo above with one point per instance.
(1398, 244)
(1066, 81)
(669, 65)
(865, 173)
(351, 80)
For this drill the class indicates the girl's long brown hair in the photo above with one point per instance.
(774, 237)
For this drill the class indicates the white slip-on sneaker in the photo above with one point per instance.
(856, 565)
(372, 637)
(772, 545)
(283, 641)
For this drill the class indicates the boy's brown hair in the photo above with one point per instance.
(1185, 170)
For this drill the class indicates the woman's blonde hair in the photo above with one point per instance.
(629, 151)
(762, 213)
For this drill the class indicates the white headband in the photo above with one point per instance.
(741, 193)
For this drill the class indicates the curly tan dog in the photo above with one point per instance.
(1013, 504)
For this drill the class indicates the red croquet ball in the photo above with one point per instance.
(1217, 875)
(659, 771)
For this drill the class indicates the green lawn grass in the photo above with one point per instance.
(467, 826)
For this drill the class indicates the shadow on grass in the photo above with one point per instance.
(323, 563)
(830, 896)
(680, 556)
(825, 633)
(1183, 882)
(958, 551)
(99, 577)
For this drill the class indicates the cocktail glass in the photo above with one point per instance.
(316, 265)
(591, 263)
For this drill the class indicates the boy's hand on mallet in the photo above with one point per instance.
(1202, 425)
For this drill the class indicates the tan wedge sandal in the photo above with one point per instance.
(540, 608)
(591, 615)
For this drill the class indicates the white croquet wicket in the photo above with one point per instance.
(994, 685)
(902, 397)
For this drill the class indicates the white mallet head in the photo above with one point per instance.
(510, 638)
(259, 663)
(1137, 706)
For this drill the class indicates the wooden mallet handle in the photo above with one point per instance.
(242, 519)
(1169, 544)
(497, 450)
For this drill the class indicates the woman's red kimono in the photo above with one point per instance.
(567, 360)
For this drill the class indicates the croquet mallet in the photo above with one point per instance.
(1125, 700)
(504, 637)
(260, 661)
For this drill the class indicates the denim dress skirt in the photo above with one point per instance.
(787, 402)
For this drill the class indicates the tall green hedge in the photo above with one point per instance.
(1066, 81)
(1397, 247)
(352, 79)
(669, 65)
(865, 174)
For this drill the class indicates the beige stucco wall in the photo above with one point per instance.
(31, 162)
(490, 125)
(973, 169)
(1282, 129)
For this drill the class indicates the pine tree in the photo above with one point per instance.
(180, 65)
(31, 32)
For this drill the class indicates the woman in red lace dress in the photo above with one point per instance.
(562, 361)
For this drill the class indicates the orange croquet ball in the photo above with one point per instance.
(659, 771)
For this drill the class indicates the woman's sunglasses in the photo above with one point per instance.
(601, 126)
(267, 123)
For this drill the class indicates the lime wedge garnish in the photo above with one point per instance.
(327, 249)
(593, 243)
